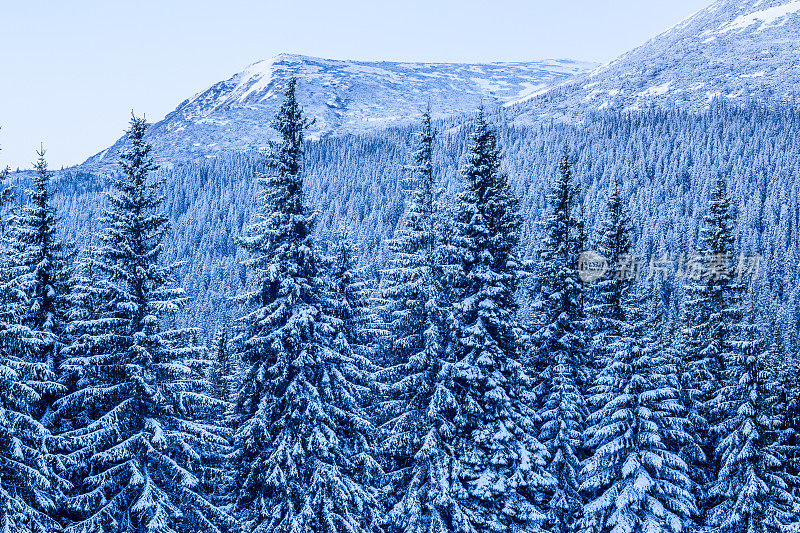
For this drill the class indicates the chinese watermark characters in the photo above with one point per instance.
(696, 267)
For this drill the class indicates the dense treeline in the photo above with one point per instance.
(442, 363)
(665, 161)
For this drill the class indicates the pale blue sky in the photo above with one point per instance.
(70, 72)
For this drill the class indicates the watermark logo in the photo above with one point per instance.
(591, 266)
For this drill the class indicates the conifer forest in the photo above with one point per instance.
(456, 324)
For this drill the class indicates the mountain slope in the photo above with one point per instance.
(734, 49)
(343, 97)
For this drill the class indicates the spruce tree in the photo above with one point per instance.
(713, 307)
(636, 478)
(752, 485)
(608, 295)
(503, 463)
(783, 369)
(216, 474)
(300, 431)
(83, 323)
(29, 495)
(420, 411)
(135, 448)
(42, 275)
(409, 282)
(559, 352)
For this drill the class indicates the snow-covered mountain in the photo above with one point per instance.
(736, 50)
(733, 49)
(343, 97)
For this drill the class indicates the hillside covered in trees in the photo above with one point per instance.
(398, 332)
(666, 163)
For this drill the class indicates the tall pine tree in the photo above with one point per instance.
(409, 283)
(503, 463)
(638, 481)
(608, 295)
(42, 275)
(712, 309)
(420, 411)
(752, 485)
(559, 353)
(28, 493)
(300, 432)
(135, 447)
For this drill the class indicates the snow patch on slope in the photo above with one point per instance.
(767, 17)
(657, 90)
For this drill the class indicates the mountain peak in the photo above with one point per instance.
(733, 50)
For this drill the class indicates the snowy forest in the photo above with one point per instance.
(396, 333)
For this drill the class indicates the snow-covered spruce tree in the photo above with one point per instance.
(408, 282)
(751, 487)
(712, 308)
(608, 295)
(638, 482)
(216, 475)
(420, 412)
(42, 276)
(300, 431)
(134, 446)
(558, 358)
(503, 464)
(28, 494)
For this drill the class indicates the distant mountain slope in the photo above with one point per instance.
(343, 97)
(734, 49)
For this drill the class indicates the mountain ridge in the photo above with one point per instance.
(734, 50)
(343, 96)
